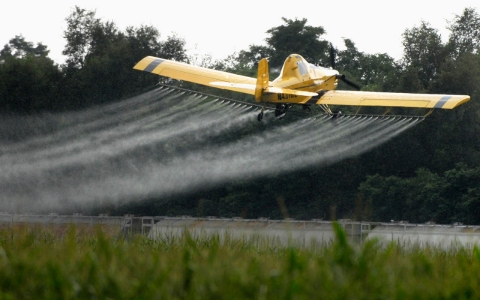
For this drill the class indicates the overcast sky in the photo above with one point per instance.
(220, 28)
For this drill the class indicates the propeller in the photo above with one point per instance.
(349, 82)
(333, 54)
(331, 50)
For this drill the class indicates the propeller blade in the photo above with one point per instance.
(332, 56)
(349, 82)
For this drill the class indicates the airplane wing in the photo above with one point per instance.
(358, 98)
(195, 74)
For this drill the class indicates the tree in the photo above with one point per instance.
(423, 50)
(101, 57)
(462, 194)
(28, 77)
(18, 47)
(89, 60)
(465, 33)
(409, 81)
(453, 197)
(174, 48)
(28, 84)
(349, 62)
(251, 57)
(386, 195)
(379, 72)
(375, 72)
(292, 37)
(424, 196)
(350, 59)
(296, 37)
(142, 41)
(81, 25)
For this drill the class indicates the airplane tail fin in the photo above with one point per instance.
(262, 79)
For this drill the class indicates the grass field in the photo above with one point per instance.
(40, 263)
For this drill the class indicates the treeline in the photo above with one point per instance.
(449, 197)
(98, 67)
(429, 173)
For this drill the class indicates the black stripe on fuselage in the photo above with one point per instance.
(442, 101)
(151, 66)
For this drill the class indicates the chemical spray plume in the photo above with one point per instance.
(162, 143)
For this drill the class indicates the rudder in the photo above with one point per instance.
(262, 79)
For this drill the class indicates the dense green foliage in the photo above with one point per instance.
(43, 264)
(426, 197)
(419, 176)
(98, 67)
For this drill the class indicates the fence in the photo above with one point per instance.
(301, 230)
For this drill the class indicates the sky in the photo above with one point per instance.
(220, 28)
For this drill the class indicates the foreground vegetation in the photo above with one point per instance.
(43, 264)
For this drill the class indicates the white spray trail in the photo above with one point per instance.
(166, 142)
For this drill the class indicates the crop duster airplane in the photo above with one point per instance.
(299, 83)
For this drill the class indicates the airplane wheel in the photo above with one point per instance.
(260, 116)
(280, 110)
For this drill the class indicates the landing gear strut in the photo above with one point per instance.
(336, 114)
(260, 116)
(280, 110)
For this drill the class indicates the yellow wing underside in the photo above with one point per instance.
(392, 99)
(200, 75)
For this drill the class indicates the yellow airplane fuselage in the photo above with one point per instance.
(298, 74)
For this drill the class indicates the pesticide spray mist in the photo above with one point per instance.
(162, 143)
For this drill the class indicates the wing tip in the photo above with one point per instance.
(143, 65)
(457, 101)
